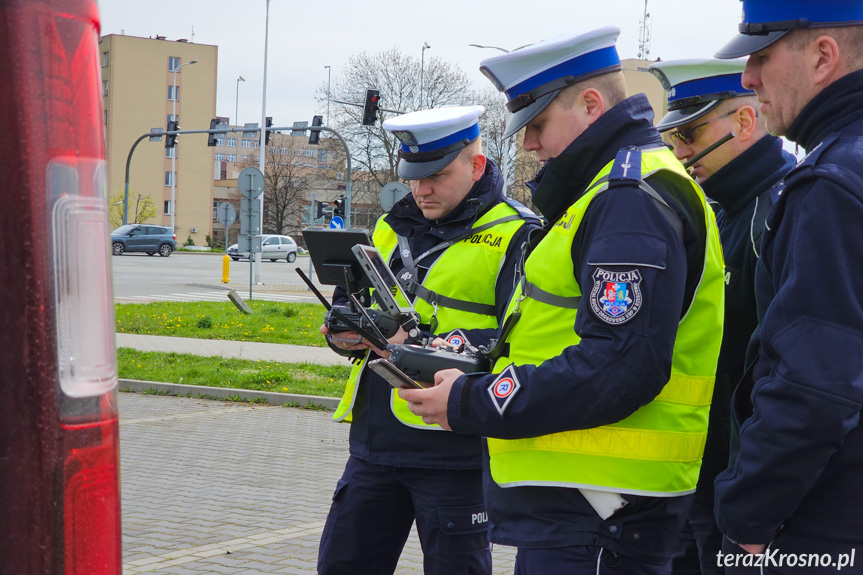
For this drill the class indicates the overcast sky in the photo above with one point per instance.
(306, 36)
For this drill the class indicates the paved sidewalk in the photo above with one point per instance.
(236, 349)
(220, 488)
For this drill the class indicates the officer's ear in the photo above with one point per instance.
(747, 119)
(477, 165)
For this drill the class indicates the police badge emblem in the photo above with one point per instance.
(616, 296)
(409, 140)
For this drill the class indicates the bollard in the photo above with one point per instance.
(226, 263)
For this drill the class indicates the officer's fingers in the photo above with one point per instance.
(438, 342)
(447, 375)
(324, 329)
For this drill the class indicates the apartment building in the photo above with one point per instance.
(145, 83)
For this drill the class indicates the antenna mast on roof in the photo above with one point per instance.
(644, 34)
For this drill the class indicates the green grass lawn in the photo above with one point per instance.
(271, 322)
(299, 378)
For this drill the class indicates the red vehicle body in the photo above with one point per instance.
(59, 450)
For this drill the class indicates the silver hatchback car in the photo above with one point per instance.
(273, 248)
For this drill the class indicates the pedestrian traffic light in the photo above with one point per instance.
(211, 137)
(338, 208)
(315, 135)
(171, 139)
(371, 107)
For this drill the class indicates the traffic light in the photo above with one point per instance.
(315, 135)
(371, 107)
(319, 210)
(171, 139)
(338, 208)
(211, 138)
(268, 133)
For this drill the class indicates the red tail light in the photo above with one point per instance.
(59, 450)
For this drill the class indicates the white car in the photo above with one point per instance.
(272, 248)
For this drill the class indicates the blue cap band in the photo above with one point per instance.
(471, 133)
(579, 66)
(825, 11)
(706, 86)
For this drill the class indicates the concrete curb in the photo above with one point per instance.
(273, 398)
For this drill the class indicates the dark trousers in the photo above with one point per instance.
(581, 560)
(802, 551)
(374, 507)
(700, 541)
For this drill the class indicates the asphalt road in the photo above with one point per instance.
(138, 275)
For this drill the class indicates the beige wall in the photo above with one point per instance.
(640, 81)
(137, 100)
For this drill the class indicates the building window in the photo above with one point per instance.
(298, 151)
(231, 157)
(322, 156)
(167, 211)
(169, 118)
(104, 59)
(284, 151)
(340, 176)
(247, 143)
(105, 88)
(310, 153)
(232, 142)
(220, 141)
(173, 93)
(106, 117)
(216, 210)
(171, 152)
(173, 64)
(168, 178)
(256, 144)
(220, 157)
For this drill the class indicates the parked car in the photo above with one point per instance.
(143, 238)
(272, 248)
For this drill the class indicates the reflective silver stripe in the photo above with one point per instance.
(536, 293)
(451, 303)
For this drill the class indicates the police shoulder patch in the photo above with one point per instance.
(616, 296)
(504, 388)
(456, 338)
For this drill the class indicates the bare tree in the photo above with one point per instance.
(286, 182)
(397, 76)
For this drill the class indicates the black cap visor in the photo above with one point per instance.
(675, 118)
(418, 170)
(746, 44)
(521, 118)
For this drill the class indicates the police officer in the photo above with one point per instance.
(714, 127)
(795, 484)
(597, 409)
(401, 469)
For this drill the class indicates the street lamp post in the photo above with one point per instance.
(237, 105)
(262, 148)
(422, 70)
(329, 73)
(174, 149)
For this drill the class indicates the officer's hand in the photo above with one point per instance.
(354, 341)
(755, 548)
(431, 403)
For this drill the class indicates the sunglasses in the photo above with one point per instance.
(686, 135)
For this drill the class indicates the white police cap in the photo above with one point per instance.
(432, 139)
(533, 75)
(695, 87)
(766, 21)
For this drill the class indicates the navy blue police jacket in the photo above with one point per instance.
(614, 370)
(799, 467)
(376, 435)
(745, 189)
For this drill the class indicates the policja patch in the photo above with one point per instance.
(504, 388)
(616, 296)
